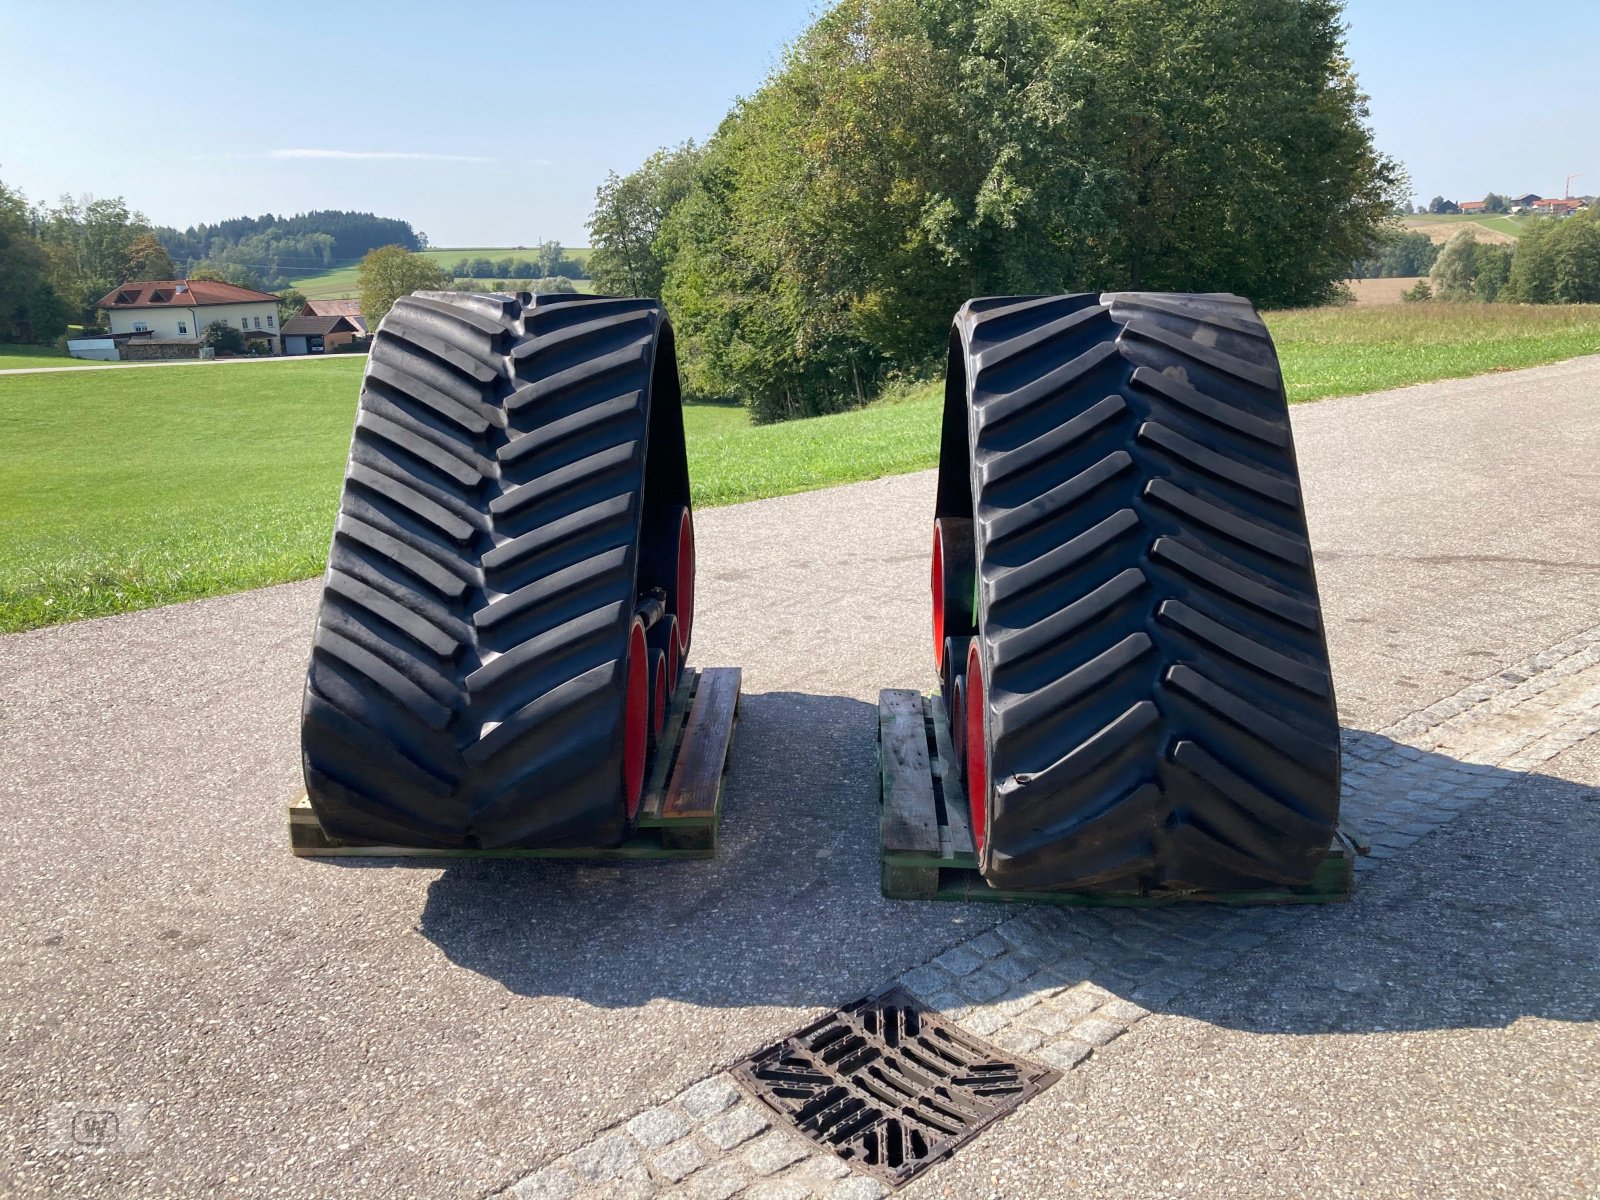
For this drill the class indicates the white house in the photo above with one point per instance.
(172, 314)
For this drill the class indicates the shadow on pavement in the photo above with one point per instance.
(788, 912)
(1476, 924)
(1488, 918)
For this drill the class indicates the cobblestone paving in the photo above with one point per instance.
(1026, 984)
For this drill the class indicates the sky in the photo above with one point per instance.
(490, 123)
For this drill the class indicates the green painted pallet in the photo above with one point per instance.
(926, 844)
(680, 812)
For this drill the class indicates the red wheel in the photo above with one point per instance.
(658, 695)
(636, 719)
(977, 750)
(954, 595)
(685, 592)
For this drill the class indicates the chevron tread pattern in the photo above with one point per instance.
(466, 685)
(1160, 714)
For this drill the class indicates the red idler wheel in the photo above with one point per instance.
(663, 636)
(977, 750)
(659, 694)
(953, 578)
(683, 597)
(636, 719)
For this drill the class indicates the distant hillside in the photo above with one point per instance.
(273, 252)
(341, 279)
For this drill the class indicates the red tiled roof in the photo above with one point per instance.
(161, 293)
(1472, 205)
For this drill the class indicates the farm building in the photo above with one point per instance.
(163, 318)
(318, 335)
(335, 308)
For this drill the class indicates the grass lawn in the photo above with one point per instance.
(1346, 351)
(13, 355)
(125, 489)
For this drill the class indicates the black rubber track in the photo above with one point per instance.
(1159, 712)
(516, 482)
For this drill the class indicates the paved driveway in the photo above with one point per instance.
(305, 1028)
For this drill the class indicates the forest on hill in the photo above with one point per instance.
(271, 252)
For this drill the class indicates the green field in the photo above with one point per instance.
(341, 281)
(188, 482)
(13, 356)
(1447, 222)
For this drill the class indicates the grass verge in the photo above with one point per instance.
(121, 490)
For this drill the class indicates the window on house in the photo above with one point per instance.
(183, 329)
(258, 322)
(140, 327)
(269, 320)
(244, 322)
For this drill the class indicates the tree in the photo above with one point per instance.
(223, 338)
(1455, 271)
(224, 272)
(23, 266)
(552, 283)
(48, 313)
(1557, 261)
(1417, 293)
(147, 258)
(1404, 253)
(909, 154)
(391, 272)
(1496, 203)
(290, 302)
(627, 219)
(89, 244)
(1493, 265)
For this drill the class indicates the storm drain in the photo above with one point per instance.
(890, 1086)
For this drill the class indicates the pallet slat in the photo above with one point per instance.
(957, 813)
(697, 777)
(950, 870)
(909, 822)
(690, 748)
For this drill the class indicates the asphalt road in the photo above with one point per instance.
(304, 1028)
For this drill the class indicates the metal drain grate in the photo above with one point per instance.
(889, 1085)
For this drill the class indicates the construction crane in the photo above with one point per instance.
(1566, 192)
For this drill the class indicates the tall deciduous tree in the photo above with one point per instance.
(22, 269)
(909, 154)
(1455, 271)
(290, 302)
(390, 272)
(148, 259)
(627, 218)
(90, 244)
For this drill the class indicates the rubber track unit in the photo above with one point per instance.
(1158, 712)
(515, 491)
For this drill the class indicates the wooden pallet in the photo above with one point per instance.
(925, 842)
(682, 803)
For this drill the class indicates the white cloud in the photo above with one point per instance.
(408, 155)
